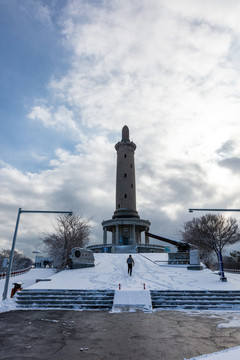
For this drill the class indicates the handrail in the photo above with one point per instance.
(15, 273)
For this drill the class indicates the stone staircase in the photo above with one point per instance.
(195, 300)
(103, 299)
(124, 249)
(65, 299)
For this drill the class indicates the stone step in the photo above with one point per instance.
(66, 306)
(195, 299)
(198, 307)
(86, 297)
(190, 302)
(64, 301)
(65, 292)
(124, 249)
(176, 292)
(67, 299)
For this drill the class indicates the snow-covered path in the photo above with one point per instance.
(111, 270)
(150, 269)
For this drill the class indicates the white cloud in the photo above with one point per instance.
(167, 69)
(215, 12)
(42, 13)
(82, 182)
(146, 64)
(61, 118)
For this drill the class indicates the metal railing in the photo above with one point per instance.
(232, 270)
(15, 273)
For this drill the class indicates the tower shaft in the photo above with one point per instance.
(125, 178)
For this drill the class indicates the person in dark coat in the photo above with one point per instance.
(130, 263)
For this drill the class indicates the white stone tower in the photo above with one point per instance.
(126, 226)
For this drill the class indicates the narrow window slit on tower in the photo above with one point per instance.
(125, 155)
(125, 196)
(131, 185)
(125, 175)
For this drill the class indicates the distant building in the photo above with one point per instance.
(43, 261)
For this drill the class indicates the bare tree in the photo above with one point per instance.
(71, 231)
(211, 233)
(20, 261)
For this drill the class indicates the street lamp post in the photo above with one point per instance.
(192, 210)
(20, 211)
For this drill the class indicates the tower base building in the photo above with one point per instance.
(126, 233)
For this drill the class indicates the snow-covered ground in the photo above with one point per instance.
(27, 279)
(150, 271)
(229, 354)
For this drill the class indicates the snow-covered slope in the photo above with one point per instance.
(111, 270)
(27, 279)
(150, 269)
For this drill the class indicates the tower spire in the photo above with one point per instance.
(125, 133)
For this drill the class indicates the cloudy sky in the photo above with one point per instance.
(74, 72)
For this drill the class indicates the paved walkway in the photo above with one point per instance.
(63, 335)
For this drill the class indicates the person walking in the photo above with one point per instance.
(130, 263)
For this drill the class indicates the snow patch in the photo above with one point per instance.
(132, 300)
(232, 353)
